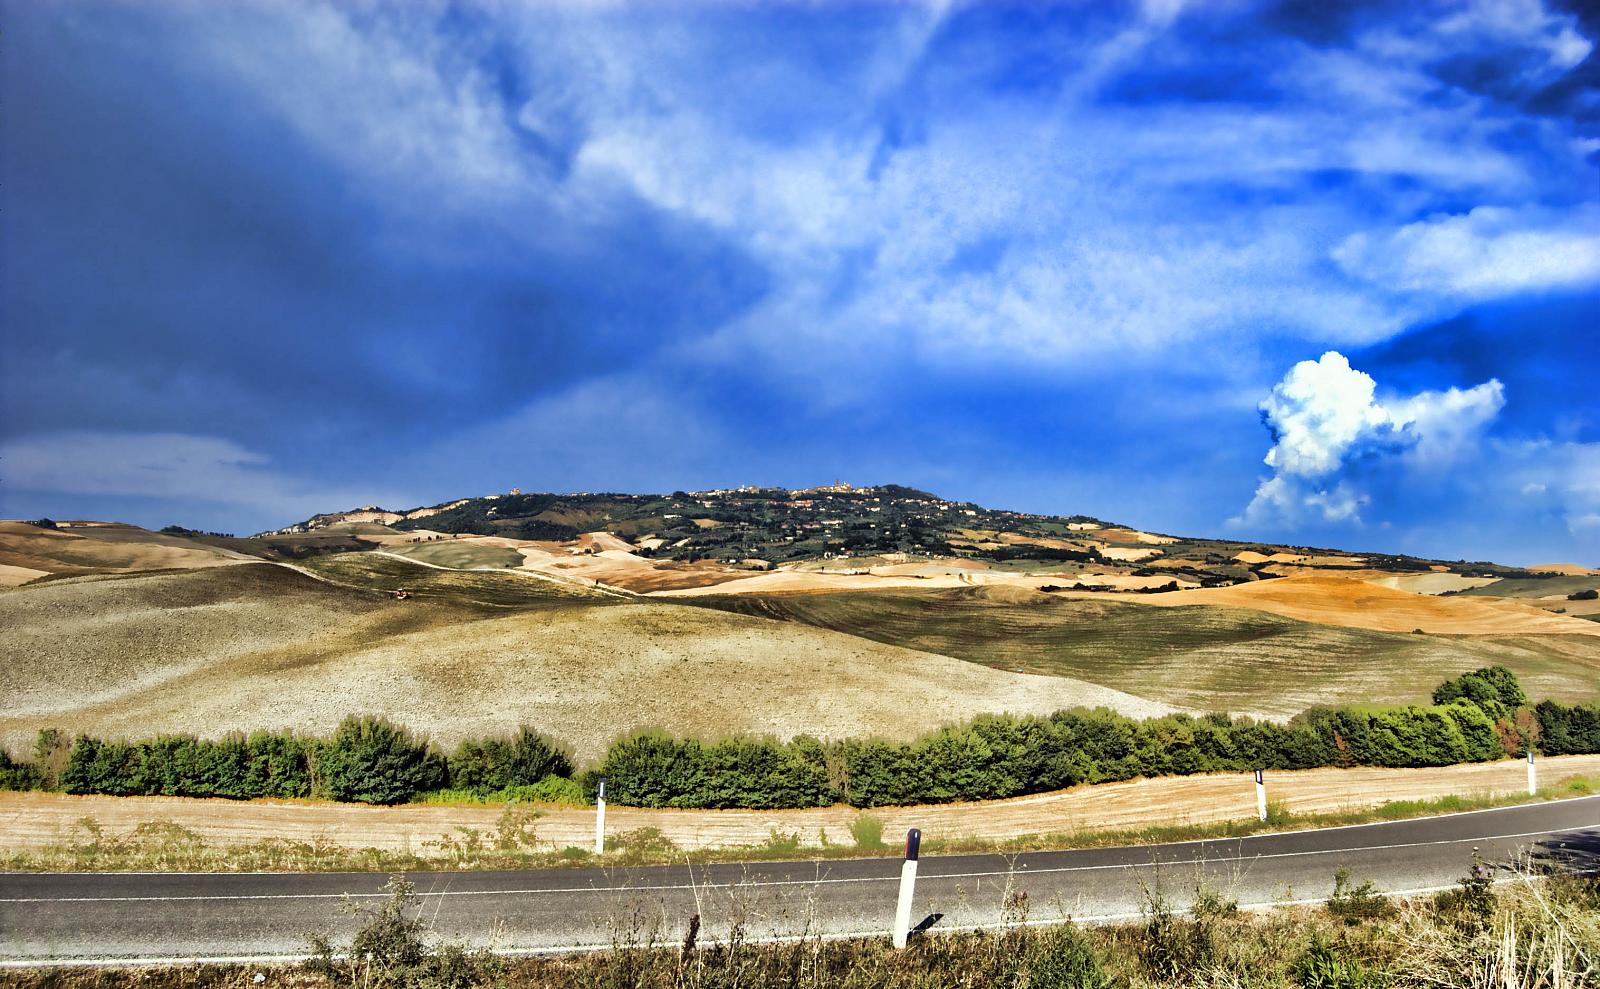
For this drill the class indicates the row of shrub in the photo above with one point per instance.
(365, 760)
(1480, 716)
(1005, 756)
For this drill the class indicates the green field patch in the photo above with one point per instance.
(1531, 586)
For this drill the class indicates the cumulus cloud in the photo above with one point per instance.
(1325, 415)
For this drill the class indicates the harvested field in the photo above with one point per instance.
(923, 577)
(35, 820)
(1570, 569)
(261, 646)
(1338, 600)
(1431, 583)
(14, 576)
(1211, 658)
(497, 589)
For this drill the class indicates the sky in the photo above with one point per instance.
(1323, 274)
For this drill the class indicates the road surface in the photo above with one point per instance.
(51, 918)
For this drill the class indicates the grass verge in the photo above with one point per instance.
(514, 843)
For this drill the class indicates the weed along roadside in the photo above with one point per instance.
(1488, 923)
(1076, 778)
(50, 831)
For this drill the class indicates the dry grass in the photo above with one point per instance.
(1212, 658)
(1338, 600)
(102, 547)
(1531, 931)
(264, 647)
(1146, 808)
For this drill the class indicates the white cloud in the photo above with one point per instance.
(1447, 423)
(177, 466)
(1487, 252)
(1318, 412)
(620, 432)
(1113, 239)
(1325, 413)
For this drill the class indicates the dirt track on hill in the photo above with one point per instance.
(31, 820)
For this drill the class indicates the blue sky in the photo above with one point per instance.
(1266, 271)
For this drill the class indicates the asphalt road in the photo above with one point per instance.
(79, 917)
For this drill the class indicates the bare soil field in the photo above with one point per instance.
(103, 547)
(264, 647)
(33, 820)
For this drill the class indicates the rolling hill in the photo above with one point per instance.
(833, 610)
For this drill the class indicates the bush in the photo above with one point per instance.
(391, 948)
(1493, 688)
(656, 771)
(1567, 730)
(1589, 595)
(1324, 966)
(495, 764)
(238, 767)
(17, 775)
(1062, 959)
(1352, 903)
(867, 830)
(371, 760)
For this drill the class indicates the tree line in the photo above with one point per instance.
(366, 760)
(1476, 717)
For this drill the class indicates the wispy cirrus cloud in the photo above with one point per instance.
(1082, 234)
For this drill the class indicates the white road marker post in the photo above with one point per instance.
(1261, 794)
(1533, 775)
(908, 885)
(600, 819)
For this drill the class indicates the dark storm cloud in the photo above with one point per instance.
(290, 255)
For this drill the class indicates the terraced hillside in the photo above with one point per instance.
(1204, 657)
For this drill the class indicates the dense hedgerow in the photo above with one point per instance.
(1567, 730)
(17, 775)
(1005, 756)
(489, 764)
(1476, 717)
(366, 760)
